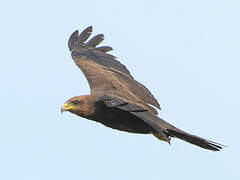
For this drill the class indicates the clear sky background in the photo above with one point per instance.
(186, 52)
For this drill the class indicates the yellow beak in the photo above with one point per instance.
(66, 107)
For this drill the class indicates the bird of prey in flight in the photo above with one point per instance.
(117, 100)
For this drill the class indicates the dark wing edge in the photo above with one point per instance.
(165, 130)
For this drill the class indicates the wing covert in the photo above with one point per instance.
(143, 114)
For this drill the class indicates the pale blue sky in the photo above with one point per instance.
(186, 52)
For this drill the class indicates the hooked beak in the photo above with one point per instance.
(66, 107)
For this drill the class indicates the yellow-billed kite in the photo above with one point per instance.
(117, 100)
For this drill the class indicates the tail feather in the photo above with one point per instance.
(164, 130)
(195, 140)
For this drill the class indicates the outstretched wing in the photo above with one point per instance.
(104, 73)
(162, 129)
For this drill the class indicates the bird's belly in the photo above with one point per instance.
(127, 128)
(126, 122)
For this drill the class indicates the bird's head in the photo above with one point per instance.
(79, 105)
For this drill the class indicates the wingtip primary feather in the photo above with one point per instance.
(85, 34)
(104, 48)
(73, 38)
(96, 40)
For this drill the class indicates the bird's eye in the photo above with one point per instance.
(75, 102)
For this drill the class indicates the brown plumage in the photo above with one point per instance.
(117, 100)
